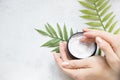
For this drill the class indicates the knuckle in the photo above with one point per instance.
(73, 65)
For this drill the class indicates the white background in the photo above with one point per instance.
(21, 57)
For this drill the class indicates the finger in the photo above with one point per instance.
(86, 29)
(81, 74)
(66, 51)
(63, 51)
(87, 40)
(118, 40)
(57, 59)
(59, 62)
(110, 38)
(106, 48)
(77, 73)
(111, 57)
(76, 64)
(74, 73)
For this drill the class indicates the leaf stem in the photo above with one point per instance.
(56, 38)
(99, 17)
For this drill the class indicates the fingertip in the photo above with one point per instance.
(82, 39)
(54, 55)
(65, 42)
(89, 34)
(85, 33)
(63, 46)
(86, 29)
(61, 42)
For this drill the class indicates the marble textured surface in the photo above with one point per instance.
(21, 57)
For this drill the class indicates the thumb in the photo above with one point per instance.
(75, 64)
(106, 48)
(111, 56)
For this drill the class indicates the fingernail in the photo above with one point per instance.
(65, 63)
(98, 39)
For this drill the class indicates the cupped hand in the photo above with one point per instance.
(95, 67)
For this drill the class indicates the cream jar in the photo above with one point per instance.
(78, 49)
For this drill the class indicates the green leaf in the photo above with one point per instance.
(49, 30)
(65, 33)
(87, 5)
(96, 10)
(89, 12)
(52, 43)
(117, 31)
(60, 31)
(90, 17)
(55, 39)
(107, 16)
(52, 30)
(103, 6)
(93, 1)
(41, 32)
(99, 51)
(112, 26)
(104, 20)
(56, 50)
(109, 22)
(99, 2)
(105, 10)
(95, 28)
(71, 32)
(94, 24)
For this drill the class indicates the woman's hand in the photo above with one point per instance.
(96, 67)
(109, 44)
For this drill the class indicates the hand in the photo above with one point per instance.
(93, 68)
(109, 44)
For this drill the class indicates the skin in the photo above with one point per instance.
(95, 67)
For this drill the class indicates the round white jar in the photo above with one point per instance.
(78, 49)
